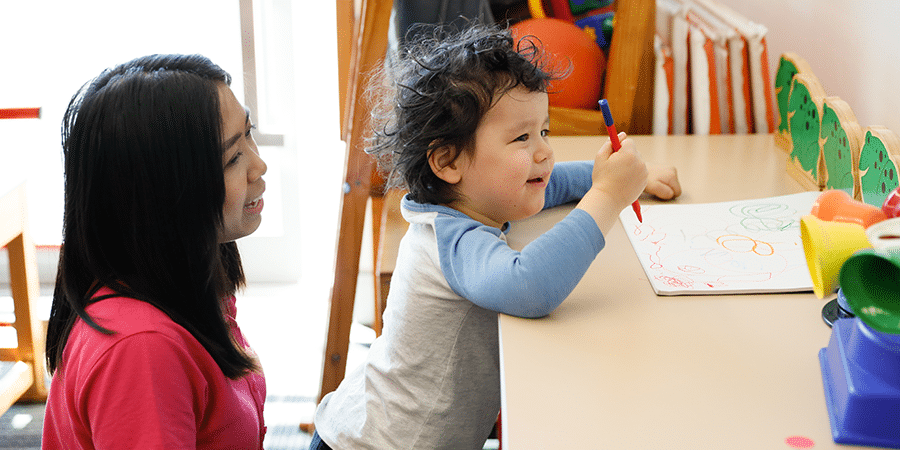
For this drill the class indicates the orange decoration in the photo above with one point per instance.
(567, 48)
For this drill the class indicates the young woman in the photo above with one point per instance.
(161, 176)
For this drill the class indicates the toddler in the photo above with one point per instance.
(465, 130)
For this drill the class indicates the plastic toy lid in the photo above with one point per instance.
(885, 235)
(870, 281)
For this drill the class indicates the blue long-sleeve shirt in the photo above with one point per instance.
(480, 266)
(432, 379)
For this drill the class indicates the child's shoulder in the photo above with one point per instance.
(449, 227)
(438, 215)
(415, 212)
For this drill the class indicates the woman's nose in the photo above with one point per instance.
(258, 167)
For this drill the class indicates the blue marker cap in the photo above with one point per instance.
(607, 115)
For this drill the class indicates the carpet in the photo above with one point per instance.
(21, 425)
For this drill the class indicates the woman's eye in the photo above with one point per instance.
(249, 129)
(235, 158)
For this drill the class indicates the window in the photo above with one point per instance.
(51, 51)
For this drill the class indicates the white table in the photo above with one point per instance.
(618, 367)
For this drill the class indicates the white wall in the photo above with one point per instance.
(853, 48)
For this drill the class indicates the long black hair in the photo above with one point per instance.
(144, 196)
(435, 91)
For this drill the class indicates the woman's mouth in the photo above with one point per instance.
(255, 206)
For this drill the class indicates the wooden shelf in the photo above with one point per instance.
(15, 379)
(22, 373)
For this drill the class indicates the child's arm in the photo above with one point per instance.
(618, 179)
(570, 180)
(528, 283)
(534, 281)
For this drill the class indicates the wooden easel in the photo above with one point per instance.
(362, 44)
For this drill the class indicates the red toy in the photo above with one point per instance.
(891, 205)
(567, 48)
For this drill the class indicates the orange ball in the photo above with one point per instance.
(565, 47)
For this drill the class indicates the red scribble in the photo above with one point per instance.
(675, 282)
(639, 231)
(655, 261)
(692, 270)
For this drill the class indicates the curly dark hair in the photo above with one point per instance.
(438, 89)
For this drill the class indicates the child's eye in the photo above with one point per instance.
(521, 138)
(545, 133)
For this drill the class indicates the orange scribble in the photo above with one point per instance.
(743, 244)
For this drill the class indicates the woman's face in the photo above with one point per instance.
(244, 169)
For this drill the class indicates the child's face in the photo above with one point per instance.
(504, 179)
(244, 169)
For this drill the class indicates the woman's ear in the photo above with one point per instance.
(446, 163)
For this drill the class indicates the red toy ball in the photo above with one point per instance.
(566, 47)
(891, 205)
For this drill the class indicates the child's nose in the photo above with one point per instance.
(543, 152)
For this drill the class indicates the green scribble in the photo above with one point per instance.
(765, 216)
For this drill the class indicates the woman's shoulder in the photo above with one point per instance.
(138, 328)
(127, 317)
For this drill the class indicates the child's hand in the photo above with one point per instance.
(662, 182)
(618, 179)
(621, 175)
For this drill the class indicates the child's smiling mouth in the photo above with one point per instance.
(540, 179)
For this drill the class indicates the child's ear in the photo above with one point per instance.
(445, 163)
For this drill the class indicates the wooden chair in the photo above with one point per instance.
(362, 27)
(21, 368)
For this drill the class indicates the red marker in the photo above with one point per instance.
(616, 145)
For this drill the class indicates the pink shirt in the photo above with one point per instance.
(151, 385)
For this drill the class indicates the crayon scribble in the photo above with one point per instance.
(739, 246)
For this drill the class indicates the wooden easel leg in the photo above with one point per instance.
(378, 230)
(368, 46)
(346, 272)
(353, 213)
